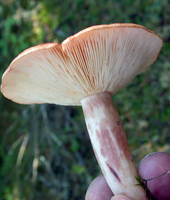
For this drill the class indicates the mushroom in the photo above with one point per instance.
(87, 69)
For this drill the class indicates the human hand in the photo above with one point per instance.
(154, 169)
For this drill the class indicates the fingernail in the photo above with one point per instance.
(148, 156)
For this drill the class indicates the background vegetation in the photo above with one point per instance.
(45, 152)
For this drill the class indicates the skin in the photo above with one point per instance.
(157, 163)
(158, 177)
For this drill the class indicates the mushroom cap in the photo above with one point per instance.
(98, 59)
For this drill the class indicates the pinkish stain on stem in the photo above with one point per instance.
(114, 173)
(110, 145)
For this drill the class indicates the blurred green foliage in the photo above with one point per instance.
(45, 150)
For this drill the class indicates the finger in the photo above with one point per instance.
(154, 169)
(121, 197)
(99, 190)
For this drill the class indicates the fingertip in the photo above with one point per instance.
(120, 197)
(99, 190)
(153, 169)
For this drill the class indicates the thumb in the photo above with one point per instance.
(120, 197)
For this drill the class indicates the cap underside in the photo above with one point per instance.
(98, 59)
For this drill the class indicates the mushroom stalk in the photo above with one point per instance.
(110, 145)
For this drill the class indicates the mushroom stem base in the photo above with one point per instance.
(110, 145)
